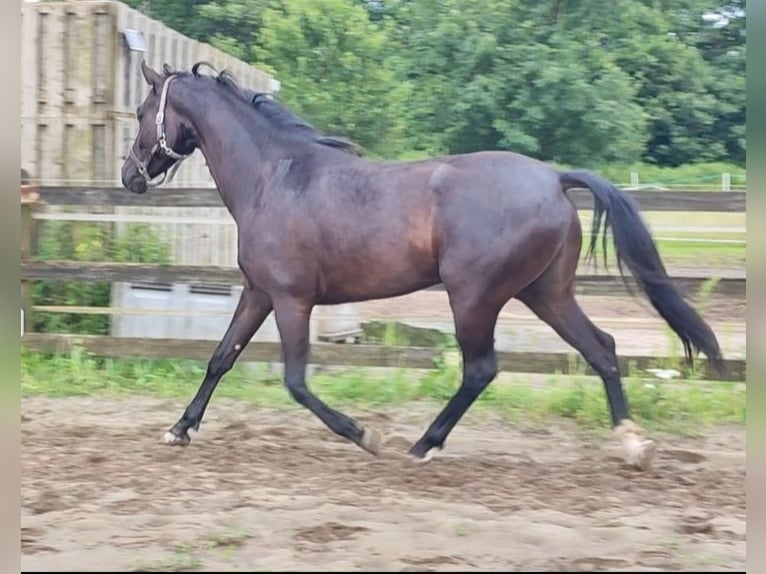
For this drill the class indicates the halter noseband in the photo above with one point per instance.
(162, 143)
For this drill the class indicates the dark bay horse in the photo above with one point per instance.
(318, 224)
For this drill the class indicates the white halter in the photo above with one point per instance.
(162, 143)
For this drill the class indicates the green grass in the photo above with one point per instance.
(181, 560)
(692, 176)
(688, 252)
(692, 253)
(684, 253)
(677, 406)
(188, 556)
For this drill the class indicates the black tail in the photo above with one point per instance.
(635, 247)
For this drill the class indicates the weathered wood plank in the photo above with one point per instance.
(118, 196)
(732, 285)
(135, 272)
(713, 201)
(676, 200)
(341, 355)
(77, 127)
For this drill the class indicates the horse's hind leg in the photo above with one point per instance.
(475, 320)
(552, 299)
(292, 317)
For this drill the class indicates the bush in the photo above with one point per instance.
(693, 176)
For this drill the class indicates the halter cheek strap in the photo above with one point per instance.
(162, 143)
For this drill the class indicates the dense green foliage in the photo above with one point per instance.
(588, 82)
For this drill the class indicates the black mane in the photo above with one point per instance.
(278, 114)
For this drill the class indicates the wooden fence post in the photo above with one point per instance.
(30, 203)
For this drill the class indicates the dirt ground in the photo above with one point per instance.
(265, 490)
(636, 326)
(435, 305)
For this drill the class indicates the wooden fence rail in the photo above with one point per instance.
(732, 285)
(675, 200)
(330, 354)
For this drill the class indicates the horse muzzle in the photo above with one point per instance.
(132, 180)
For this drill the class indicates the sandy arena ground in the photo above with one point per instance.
(274, 490)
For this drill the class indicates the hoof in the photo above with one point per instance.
(639, 450)
(420, 456)
(370, 441)
(640, 453)
(174, 440)
(425, 459)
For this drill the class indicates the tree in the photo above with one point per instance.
(574, 81)
(497, 74)
(694, 100)
(335, 70)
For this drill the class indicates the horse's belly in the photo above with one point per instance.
(377, 273)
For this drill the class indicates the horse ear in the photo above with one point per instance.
(151, 76)
(167, 70)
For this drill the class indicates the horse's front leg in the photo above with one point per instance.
(293, 318)
(253, 308)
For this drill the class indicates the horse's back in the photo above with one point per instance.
(513, 189)
(505, 176)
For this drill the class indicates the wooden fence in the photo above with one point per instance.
(332, 354)
(676, 200)
(33, 198)
(81, 83)
(731, 284)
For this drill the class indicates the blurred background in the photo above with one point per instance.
(649, 94)
(126, 296)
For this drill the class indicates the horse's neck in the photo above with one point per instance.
(235, 161)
